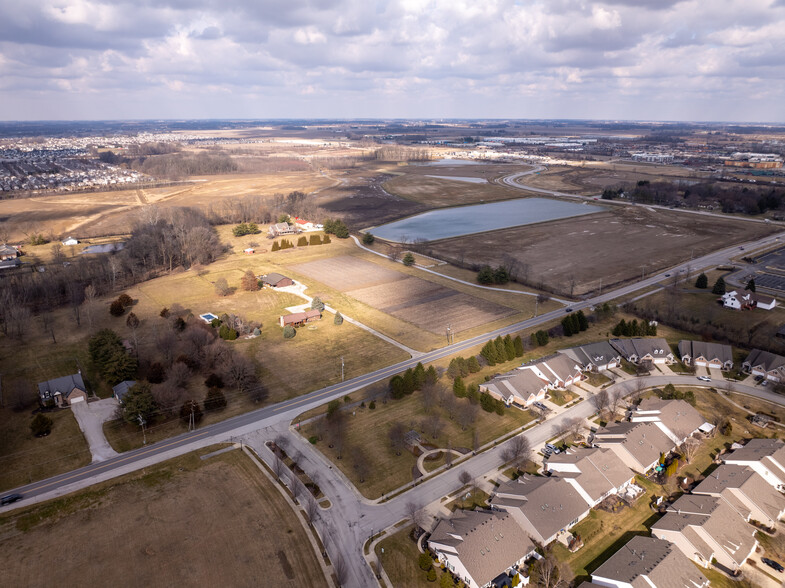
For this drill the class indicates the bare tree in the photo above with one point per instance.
(341, 569)
(689, 446)
(47, 323)
(415, 514)
(133, 323)
(600, 401)
(278, 467)
(178, 374)
(560, 428)
(90, 295)
(311, 509)
(466, 414)
(449, 402)
(574, 425)
(397, 436)
(637, 391)
(464, 477)
(298, 488)
(475, 440)
(361, 464)
(448, 454)
(433, 425)
(430, 397)
(548, 572)
(239, 371)
(615, 399)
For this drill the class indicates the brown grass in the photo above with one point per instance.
(186, 521)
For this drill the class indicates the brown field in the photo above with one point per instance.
(593, 177)
(613, 246)
(416, 184)
(186, 522)
(412, 299)
(112, 212)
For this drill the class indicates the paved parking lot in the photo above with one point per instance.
(770, 281)
(775, 260)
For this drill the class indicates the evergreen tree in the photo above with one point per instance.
(485, 275)
(702, 281)
(289, 332)
(408, 381)
(419, 376)
(501, 352)
(338, 318)
(719, 287)
(41, 425)
(509, 348)
(501, 275)
(408, 259)
(463, 365)
(566, 325)
(488, 351)
(750, 285)
(315, 240)
(397, 387)
(518, 344)
(276, 246)
(317, 304)
(431, 376)
(454, 369)
(459, 387)
(473, 364)
(138, 401)
(583, 322)
(326, 239)
(368, 239)
(302, 241)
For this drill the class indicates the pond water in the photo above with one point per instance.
(461, 179)
(466, 220)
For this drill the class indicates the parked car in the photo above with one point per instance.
(764, 383)
(773, 564)
(667, 275)
(10, 499)
(568, 310)
(704, 378)
(758, 378)
(553, 448)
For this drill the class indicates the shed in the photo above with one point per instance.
(121, 389)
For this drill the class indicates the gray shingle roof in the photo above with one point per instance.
(659, 561)
(63, 385)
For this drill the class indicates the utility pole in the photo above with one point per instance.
(191, 423)
(341, 368)
(643, 268)
(536, 305)
(449, 334)
(144, 435)
(600, 294)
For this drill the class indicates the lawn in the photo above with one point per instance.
(141, 530)
(367, 434)
(398, 554)
(604, 532)
(25, 458)
(597, 380)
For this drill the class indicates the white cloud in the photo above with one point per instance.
(393, 57)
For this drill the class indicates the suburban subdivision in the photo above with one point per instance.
(349, 354)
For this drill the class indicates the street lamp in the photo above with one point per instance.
(143, 423)
(341, 368)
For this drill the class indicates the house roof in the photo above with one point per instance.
(64, 385)
(122, 388)
(743, 481)
(520, 383)
(679, 416)
(273, 278)
(765, 359)
(599, 353)
(709, 516)
(601, 470)
(559, 366)
(650, 558)
(8, 250)
(644, 441)
(549, 504)
(487, 543)
(759, 449)
(709, 351)
(297, 317)
(655, 347)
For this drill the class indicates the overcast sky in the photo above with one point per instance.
(618, 59)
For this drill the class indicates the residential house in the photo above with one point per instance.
(298, 319)
(594, 473)
(275, 280)
(529, 383)
(651, 563)
(543, 506)
(8, 252)
(703, 354)
(478, 546)
(765, 456)
(122, 389)
(707, 528)
(638, 445)
(595, 357)
(678, 419)
(279, 229)
(521, 387)
(304, 225)
(764, 363)
(746, 300)
(63, 391)
(747, 492)
(639, 350)
(70, 241)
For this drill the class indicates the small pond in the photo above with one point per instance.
(466, 220)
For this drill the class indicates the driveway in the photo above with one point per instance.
(91, 417)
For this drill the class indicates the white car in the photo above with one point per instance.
(704, 378)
